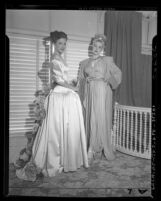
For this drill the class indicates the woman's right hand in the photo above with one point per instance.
(74, 88)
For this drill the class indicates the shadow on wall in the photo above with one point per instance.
(89, 53)
(90, 48)
(36, 110)
(43, 75)
(30, 121)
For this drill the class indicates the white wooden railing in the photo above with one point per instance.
(131, 133)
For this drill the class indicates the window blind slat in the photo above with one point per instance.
(76, 52)
(27, 54)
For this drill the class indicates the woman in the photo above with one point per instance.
(98, 77)
(60, 144)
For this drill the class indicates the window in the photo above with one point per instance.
(76, 51)
(27, 55)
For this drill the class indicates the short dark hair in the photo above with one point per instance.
(56, 35)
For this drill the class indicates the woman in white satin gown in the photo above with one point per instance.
(60, 144)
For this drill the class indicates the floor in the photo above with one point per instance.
(126, 176)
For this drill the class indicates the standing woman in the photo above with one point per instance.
(60, 143)
(98, 77)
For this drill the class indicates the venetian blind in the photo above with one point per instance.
(27, 55)
(76, 51)
(29, 62)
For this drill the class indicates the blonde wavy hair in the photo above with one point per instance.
(101, 38)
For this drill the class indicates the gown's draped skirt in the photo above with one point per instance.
(60, 143)
(98, 104)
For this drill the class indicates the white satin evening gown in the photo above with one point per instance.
(60, 144)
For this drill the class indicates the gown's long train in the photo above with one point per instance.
(60, 143)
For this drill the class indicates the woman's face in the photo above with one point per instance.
(60, 45)
(97, 48)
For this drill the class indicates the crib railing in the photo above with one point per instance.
(131, 133)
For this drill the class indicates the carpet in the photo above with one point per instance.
(126, 176)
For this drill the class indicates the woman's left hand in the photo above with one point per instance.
(74, 88)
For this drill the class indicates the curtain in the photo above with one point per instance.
(146, 82)
(123, 31)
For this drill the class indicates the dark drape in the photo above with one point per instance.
(145, 83)
(123, 30)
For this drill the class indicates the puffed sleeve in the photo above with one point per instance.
(115, 74)
(56, 73)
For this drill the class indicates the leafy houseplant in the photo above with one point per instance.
(39, 115)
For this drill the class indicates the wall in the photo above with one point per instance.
(152, 29)
(30, 20)
(77, 23)
(149, 26)
(149, 30)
